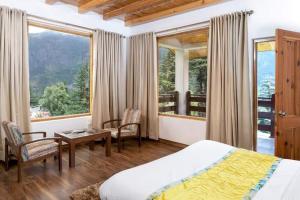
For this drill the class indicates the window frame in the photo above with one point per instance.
(69, 30)
(179, 116)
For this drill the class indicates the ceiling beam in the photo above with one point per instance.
(88, 5)
(170, 12)
(132, 7)
(51, 1)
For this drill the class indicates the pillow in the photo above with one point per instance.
(17, 137)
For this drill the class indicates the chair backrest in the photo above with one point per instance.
(15, 137)
(131, 116)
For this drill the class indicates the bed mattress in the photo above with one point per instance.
(140, 182)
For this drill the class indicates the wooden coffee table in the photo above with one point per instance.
(78, 138)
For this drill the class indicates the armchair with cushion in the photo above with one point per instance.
(31, 151)
(130, 127)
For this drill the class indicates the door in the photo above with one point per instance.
(287, 102)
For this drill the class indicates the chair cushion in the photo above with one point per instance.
(39, 143)
(124, 132)
(131, 116)
(41, 148)
(16, 137)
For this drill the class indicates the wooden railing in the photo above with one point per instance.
(200, 101)
(167, 99)
(267, 103)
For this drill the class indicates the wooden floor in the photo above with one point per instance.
(44, 182)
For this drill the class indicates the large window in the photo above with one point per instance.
(183, 73)
(59, 64)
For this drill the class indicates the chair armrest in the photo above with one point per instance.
(39, 132)
(109, 121)
(128, 124)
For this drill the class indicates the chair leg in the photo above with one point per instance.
(6, 155)
(60, 159)
(119, 144)
(103, 142)
(140, 141)
(19, 171)
(140, 137)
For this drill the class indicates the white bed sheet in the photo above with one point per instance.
(140, 182)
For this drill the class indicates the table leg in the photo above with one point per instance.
(92, 145)
(71, 155)
(108, 145)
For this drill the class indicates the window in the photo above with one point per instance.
(183, 73)
(59, 69)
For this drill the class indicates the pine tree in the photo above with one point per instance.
(166, 70)
(198, 75)
(80, 94)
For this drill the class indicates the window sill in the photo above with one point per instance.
(183, 117)
(60, 117)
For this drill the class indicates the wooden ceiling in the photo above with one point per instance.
(195, 42)
(135, 12)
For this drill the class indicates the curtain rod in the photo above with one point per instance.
(64, 23)
(250, 12)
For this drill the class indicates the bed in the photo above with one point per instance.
(142, 182)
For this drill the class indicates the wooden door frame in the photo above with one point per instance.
(254, 88)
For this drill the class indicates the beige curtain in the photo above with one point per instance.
(142, 81)
(14, 71)
(107, 65)
(229, 110)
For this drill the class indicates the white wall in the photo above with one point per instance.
(67, 13)
(185, 131)
(61, 125)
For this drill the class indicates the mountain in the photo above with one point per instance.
(266, 73)
(55, 57)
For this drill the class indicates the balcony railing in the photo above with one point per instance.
(195, 103)
(269, 104)
(169, 102)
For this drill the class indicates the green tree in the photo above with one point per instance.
(34, 98)
(55, 99)
(198, 75)
(166, 70)
(80, 94)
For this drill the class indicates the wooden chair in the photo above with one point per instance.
(130, 127)
(28, 152)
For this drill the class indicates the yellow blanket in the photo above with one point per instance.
(238, 175)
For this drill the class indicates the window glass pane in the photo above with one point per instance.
(183, 73)
(59, 73)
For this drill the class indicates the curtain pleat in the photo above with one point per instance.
(229, 110)
(107, 65)
(142, 81)
(14, 71)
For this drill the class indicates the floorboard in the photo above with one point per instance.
(44, 182)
